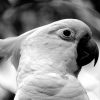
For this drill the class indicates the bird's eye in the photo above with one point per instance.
(66, 34)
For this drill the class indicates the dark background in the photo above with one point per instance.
(18, 16)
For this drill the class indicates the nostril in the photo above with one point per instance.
(85, 39)
(1, 58)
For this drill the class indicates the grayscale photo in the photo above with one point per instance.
(49, 50)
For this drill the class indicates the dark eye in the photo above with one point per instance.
(66, 34)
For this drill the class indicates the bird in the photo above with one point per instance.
(48, 60)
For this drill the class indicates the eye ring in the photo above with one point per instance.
(66, 34)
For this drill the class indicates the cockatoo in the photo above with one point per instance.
(48, 59)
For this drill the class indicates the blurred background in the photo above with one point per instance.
(19, 16)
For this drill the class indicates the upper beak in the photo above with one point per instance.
(87, 52)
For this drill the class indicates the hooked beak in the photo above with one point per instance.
(87, 52)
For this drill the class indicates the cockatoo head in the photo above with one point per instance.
(64, 46)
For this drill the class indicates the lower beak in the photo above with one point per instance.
(87, 52)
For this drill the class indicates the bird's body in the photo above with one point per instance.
(49, 58)
(50, 86)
